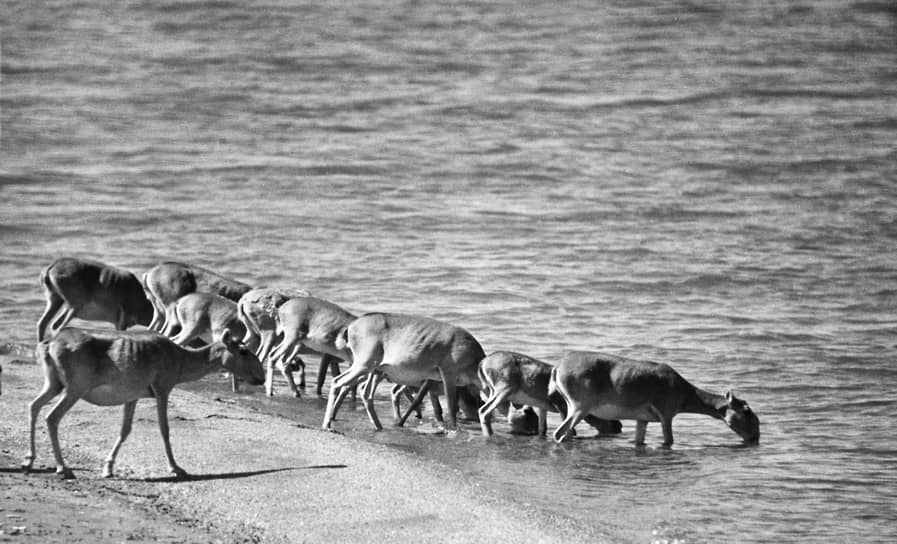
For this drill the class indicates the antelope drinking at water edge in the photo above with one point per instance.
(166, 282)
(612, 387)
(310, 325)
(204, 316)
(94, 291)
(409, 350)
(257, 310)
(513, 377)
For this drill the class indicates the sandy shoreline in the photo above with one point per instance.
(256, 478)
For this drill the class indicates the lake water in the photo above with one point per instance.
(708, 184)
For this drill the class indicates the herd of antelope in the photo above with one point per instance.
(196, 322)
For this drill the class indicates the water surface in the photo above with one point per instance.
(704, 184)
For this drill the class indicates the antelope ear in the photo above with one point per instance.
(735, 403)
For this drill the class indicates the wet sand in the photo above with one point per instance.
(254, 478)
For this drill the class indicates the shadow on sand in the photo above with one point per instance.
(231, 475)
(18, 470)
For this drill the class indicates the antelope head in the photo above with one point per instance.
(741, 419)
(241, 360)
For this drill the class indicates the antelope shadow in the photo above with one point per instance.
(233, 475)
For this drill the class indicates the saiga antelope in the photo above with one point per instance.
(166, 282)
(409, 350)
(257, 310)
(91, 290)
(612, 387)
(111, 368)
(513, 377)
(310, 325)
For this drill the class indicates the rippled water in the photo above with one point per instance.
(706, 184)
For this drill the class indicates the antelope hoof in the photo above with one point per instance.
(179, 473)
(65, 473)
(561, 438)
(107, 470)
(439, 427)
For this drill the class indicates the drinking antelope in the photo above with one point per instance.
(612, 387)
(166, 282)
(257, 309)
(109, 368)
(409, 350)
(204, 316)
(94, 291)
(314, 324)
(513, 377)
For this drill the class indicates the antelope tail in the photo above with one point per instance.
(342, 339)
(487, 385)
(171, 319)
(552, 382)
(45, 278)
(50, 288)
(244, 319)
